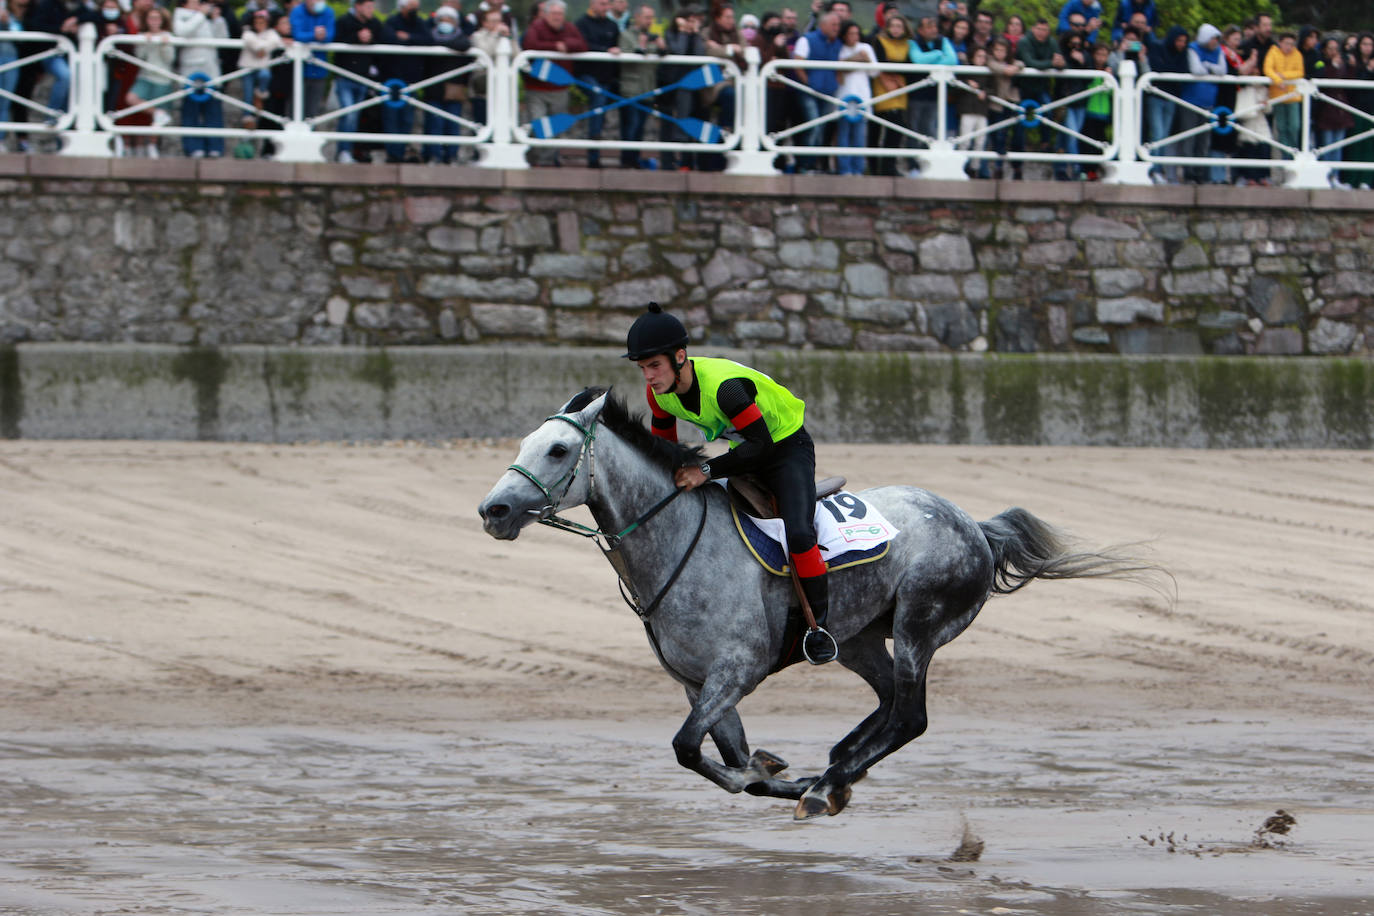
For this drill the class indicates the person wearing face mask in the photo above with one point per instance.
(446, 32)
(749, 28)
(312, 22)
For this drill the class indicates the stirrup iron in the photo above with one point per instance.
(826, 649)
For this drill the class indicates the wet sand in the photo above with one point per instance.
(265, 679)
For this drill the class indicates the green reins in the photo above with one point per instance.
(549, 515)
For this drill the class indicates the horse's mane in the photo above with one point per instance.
(629, 426)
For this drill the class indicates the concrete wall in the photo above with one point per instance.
(285, 394)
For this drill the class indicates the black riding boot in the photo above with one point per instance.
(818, 645)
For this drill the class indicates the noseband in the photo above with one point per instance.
(548, 515)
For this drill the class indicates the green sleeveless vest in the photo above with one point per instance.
(782, 410)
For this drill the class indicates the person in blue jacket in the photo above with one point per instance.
(929, 47)
(821, 43)
(1089, 10)
(1205, 61)
(312, 21)
(1129, 8)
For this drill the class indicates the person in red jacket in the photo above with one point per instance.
(550, 31)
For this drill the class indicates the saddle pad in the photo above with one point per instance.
(849, 530)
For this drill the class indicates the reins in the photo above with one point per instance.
(608, 541)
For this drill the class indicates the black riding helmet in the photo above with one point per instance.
(653, 333)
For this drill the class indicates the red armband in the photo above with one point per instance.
(750, 414)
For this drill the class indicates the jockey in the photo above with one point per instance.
(762, 421)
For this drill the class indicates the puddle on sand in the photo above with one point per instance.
(583, 817)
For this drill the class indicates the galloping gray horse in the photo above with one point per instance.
(719, 622)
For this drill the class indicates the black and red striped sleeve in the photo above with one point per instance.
(736, 398)
(661, 423)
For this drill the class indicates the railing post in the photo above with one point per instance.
(501, 151)
(84, 139)
(1307, 171)
(1128, 169)
(942, 160)
(297, 142)
(750, 158)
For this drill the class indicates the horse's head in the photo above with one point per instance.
(551, 471)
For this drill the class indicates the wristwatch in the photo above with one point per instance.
(705, 468)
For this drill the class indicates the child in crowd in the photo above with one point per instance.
(1283, 64)
(1099, 113)
(972, 104)
(258, 45)
(855, 85)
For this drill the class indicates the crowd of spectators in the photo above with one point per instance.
(1058, 64)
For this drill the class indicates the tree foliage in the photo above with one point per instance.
(1330, 15)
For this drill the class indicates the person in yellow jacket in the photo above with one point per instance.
(891, 44)
(761, 419)
(1282, 65)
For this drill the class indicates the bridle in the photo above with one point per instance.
(608, 541)
(548, 514)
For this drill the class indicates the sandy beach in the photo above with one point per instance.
(300, 679)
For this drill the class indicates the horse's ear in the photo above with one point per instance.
(593, 409)
(584, 399)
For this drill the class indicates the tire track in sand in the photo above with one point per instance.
(1193, 508)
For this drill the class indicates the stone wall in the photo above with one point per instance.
(220, 253)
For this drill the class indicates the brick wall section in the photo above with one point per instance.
(230, 252)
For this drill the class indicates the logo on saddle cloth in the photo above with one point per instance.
(849, 530)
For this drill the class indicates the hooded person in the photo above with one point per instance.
(1167, 56)
(1309, 43)
(749, 27)
(1206, 62)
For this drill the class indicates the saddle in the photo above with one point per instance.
(751, 497)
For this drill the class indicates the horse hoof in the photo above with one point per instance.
(837, 800)
(809, 806)
(768, 763)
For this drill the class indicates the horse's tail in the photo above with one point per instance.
(1026, 548)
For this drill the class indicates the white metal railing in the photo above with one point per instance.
(1301, 162)
(942, 154)
(700, 74)
(504, 139)
(301, 138)
(30, 49)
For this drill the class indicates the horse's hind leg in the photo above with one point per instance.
(906, 721)
(866, 655)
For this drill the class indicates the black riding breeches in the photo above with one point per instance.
(790, 473)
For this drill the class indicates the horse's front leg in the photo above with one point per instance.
(713, 711)
(728, 735)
